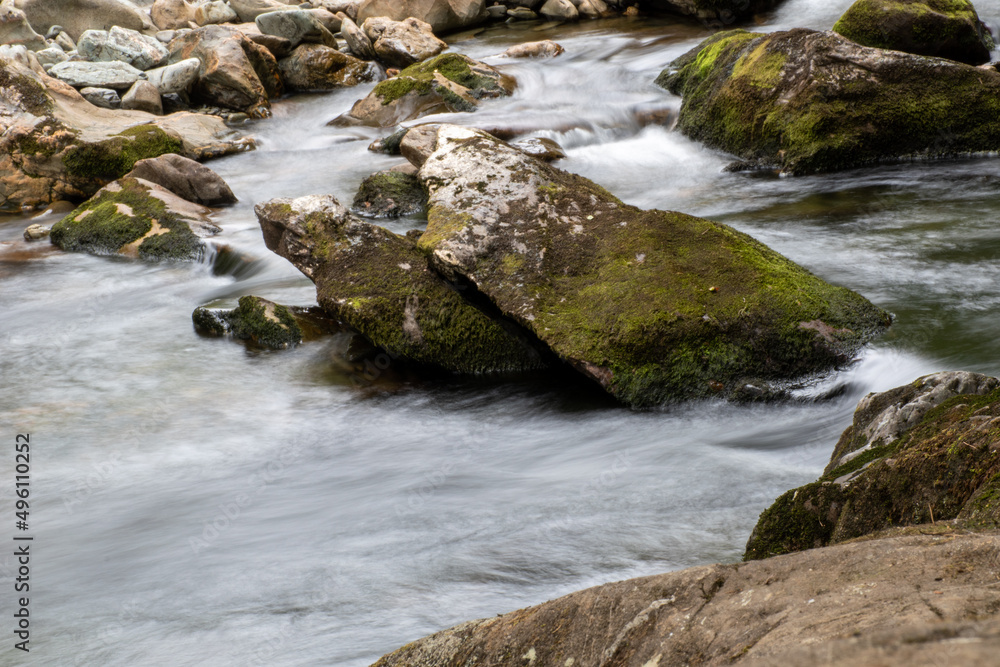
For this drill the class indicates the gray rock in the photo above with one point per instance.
(128, 46)
(357, 40)
(78, 16)
(143, 96)
(186, 178)
(102, 97)
(402, 43)
(14, 28)
(297, 26)
(176, 78)
(543, 49)
(278, 46)
(214, 12)
(521, 14)
(248, 10)
(318, 67)
(36, 232)
(329, 20)
(119, 76)
(172, 14)
(560, 10)
(497, 11)
(64, 41)
(389, 194)
(51, 56)
(540, 148)
(443, 15)
(418, 144)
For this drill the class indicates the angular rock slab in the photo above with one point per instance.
(379, 283)
(114, 75)
(651, 305)
(924, 452)
(806, 102)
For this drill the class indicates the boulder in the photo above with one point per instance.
(14, 28)
(143, 96)
(717, 13)
(402, 43)
(211, 13)
(540, 148)
(357, 40)
(297, 26)
(389, 194)
(102, 97)
(804, 101)
(176, 78)
(172, 14)
(264, 323)
(559, 10)
(119, 44)
(442, 15)
(921, 599)
(186, 178)
(920, 453)
(449, 82)
(544, 49)
(379, 283)
(651, 305)
(136, 218)
(82, 74)
(36, 232)
(55, 145)
(249, 10)
(942, 28)
(318, 67)
(278, 46)
(78, 16)
(236, 73)
(330, 21)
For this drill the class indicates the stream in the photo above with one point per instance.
(197, 502)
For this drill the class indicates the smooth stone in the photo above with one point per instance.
(118, 44)
(402, 43)
(102, 97)
(543, 49)
(186, 178)
(318, 67)
(15, 29)
(214, 12)
(172, 14)
(176, 78)
(357, 40)
(559, 10)
(119, 76)
(297, 26)
(143, 96)
(36, 232)
(78, 16)
(51, 56)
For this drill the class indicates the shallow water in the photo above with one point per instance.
(197, 502)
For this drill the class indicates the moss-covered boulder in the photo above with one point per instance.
(450, 82)
(942, 28)
(55, 145)
(803, 101)
(920, 453)
(720, 12)
(136, 218)
(389, 194)
(652, 305)
(380, 284)
(262, 322)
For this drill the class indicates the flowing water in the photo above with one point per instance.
(196, 502)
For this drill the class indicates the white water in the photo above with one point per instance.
(371, 518)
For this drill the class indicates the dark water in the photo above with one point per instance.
(196, 502)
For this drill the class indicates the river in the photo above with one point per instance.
(199, 503)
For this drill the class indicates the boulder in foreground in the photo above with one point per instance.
(804, 101)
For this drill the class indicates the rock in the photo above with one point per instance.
(591, 9)
(573, 265)
(357, 40)
(135, 218)
(942, 28)
(78, 16)
(143, 96)
(496, 11)
(118, 44)
(36, 232)
(176, 78)
(402, 43)
(265, 323)
(102, 97)
(211, 13)
(172, 14)
(521, 14)
(916, 454)
(54, 145)
(540, 148)
(64, 41)
(449, 82)
(329, 20)
(717, 13)
(442, 15)
(278, 46)
(297, 26)
(805, 101)
(51, 56)
(912, 600)
(559, 10)
(186, 178)
(417, 144)
(14, 28)
(317, 67)
(379, 283)
(235, 72)
(249, 10)
(389, 194)
(544, 49)
(80, 74)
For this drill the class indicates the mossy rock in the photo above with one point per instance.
(264, 323)
(380, 284)
(390, 194)
(943, 28)
(114, 157)
(450, 82)
(652, 305)
(804, 101)
(135, 218)
(919, 453)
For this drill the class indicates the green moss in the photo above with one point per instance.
(420, 78)
(389, 194)
(803, 518)
(34, 98)
(114, 157)
(442, 223)
(267, 324)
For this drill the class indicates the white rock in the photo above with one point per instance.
(176, 78)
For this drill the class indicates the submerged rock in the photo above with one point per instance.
(264, 323)
(923, 452)
(389, 194)
(544, 49)
(379, 283)
(943, 28)
(651, 305)
(317, 67)
(922, 599)
(805, 101)
(449, 82)
(186, 178)
(136, 218)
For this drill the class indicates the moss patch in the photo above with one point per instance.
(390, 194)
(114, 157)
(265, 323)
(420, 78)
